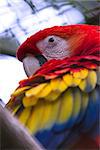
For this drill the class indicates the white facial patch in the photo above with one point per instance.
(54, 47)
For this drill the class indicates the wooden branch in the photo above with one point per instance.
(13, 136)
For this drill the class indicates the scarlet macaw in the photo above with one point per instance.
(60, 99)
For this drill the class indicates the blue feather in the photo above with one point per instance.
(92, 112)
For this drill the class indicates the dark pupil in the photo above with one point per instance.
(51, 39)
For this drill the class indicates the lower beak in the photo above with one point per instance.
(33, 63)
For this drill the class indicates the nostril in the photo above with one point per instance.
(51, 39)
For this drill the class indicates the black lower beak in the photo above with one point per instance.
(41, 59)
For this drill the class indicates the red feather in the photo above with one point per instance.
(55, 68)
(84, 39)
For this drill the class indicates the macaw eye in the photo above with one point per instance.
(53, 46)
(51, 39)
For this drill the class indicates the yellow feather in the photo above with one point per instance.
(54, 112)
(92, 78)
(58, 85)
(45, 91)
(76, 74)
(89, 83)
(24, 115)
(83, 85)
(46, 115)
(20, 90)
(35, 90)
(68, 79)
(51, 110)
(52, 96)
(35, 119)
(81, 74)
(29, 101)
(62, 86)
(55, 83)
(76, 81)
(84, 105)
(77, 102)
(66, 106)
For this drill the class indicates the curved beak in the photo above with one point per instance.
(33, 63)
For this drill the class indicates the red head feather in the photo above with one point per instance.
(83, 39)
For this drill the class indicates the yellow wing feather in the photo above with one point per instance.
(35, 118)
(89, 83)
(45, 91)
(66, 107)
(82, 74)
(25, 115)
(20, 90)
(55, 101)
(35, 90)
(77, 102)
(29, 101)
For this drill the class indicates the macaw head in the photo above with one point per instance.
(57, 42)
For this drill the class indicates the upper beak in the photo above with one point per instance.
(33, 63)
